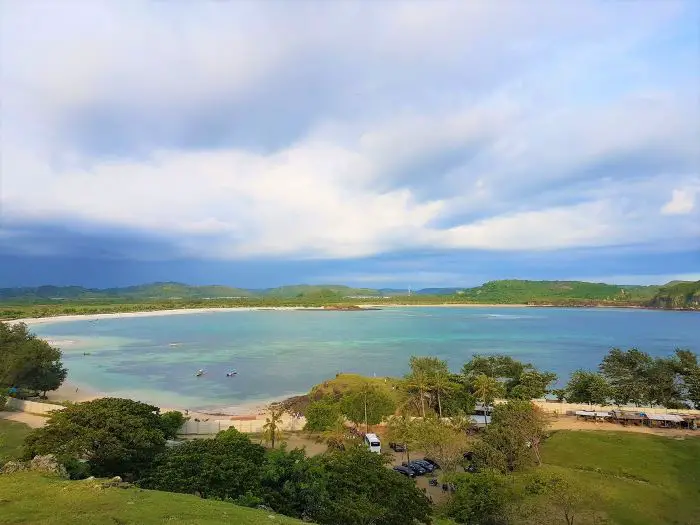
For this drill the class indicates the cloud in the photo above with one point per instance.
(682, 202)
(248, 130)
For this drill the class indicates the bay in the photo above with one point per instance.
(282, 353)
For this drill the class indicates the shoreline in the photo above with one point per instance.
(32, 321)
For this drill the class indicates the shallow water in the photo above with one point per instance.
(280, 353)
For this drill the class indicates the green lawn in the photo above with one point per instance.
(32, 498)
(12, 436)
(633, 478)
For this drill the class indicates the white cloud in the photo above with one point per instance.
(455, 125)
(682, 202)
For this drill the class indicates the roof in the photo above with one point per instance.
(478, 420)
(673, 418)
(589, 413)
(372, 437)
(627, 415)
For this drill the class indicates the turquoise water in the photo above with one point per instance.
(279, 353)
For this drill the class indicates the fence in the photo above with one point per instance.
(43, 409)
(252, 426)
(555, 407)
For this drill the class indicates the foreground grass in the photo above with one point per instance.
(36, 499)
(631, 478)
(12, 436)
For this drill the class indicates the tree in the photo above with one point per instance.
(367, 405)
(322, 415)
(512, 440)
(440, 441)
(554, 493)
(532, 384)
(360, 490)
(335, 436)
(171, 423)
(401, 429)
(418, 381)
(228, 466)
(587, 387)
(272, 429)
(665, 383)
(627, 372)
(479, 498)
(115, 436)
(27, 361)
(486, 389)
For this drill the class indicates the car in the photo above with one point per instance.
(471, 469)
(427, 466)
(432, 462)
(404, 471)
(397, 447)
(416, 468)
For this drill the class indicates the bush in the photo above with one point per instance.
(171, 423)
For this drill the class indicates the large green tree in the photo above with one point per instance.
(481, 498)
(27, 361)
(322, 415)
(227, 466)
(519, 380)
(368, 406)
(628, 373)
(362, 490)
(115, 436)
(486, 389)
(587, 387)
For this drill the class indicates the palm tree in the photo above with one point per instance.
(419, 381)
(272, 429)
(486, 390)
(441, 384)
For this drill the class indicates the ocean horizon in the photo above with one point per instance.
(278, 354)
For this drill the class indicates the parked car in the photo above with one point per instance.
(432, 462)
(405, 471)
(416, 468)
(471, 469)
(468, 456)
(397, 447)
(427, 466)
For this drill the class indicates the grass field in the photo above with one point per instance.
(12, 436)
(632, 478)
(32, 498)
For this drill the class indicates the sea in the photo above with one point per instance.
(277, 354)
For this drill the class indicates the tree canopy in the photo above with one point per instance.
(115, 436)
(27, 361)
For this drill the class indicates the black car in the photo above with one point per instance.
(397, 447)
(426, 465)
(416, 468)
(405, 471)
(432, 462)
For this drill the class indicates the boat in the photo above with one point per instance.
(231, 373)
(199, 373)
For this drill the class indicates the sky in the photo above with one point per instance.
(382, 144)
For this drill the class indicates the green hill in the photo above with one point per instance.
(36, 499)
(678, 294)
(557, 292)
(318, 290)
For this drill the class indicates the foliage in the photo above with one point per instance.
(27, 361)
(171, 423)
(418, 381)
(558, 494)
(401, 429)
(587, 387)
(678, 295)
(272, 429)
(322, 415)
(439, 440)
(367, 405)
(227, 466)
(519, 380)
(487, 389)
(481, 498)
(512, 441)
(115, 436)
(361, 490)
(33, 498)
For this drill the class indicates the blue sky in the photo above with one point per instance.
(386, 144)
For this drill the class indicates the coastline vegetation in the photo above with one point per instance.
(18, 303)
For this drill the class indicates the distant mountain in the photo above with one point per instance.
(520, 291)
(678, 294)
(672, 295)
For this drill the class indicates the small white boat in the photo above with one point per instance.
(199, 373)
(231, 373)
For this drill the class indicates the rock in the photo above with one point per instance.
(13, 466)
(50, 464)
(116, 479)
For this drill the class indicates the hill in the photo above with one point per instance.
(557, 292)
(678, 295)
(36, 499)
(318, 290)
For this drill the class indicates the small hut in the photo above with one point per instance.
(664, 420)
(628, 418)
(591, 415)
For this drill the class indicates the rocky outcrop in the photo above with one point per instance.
(48, 464)
(13, 466)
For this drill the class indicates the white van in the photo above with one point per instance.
(373, 443)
